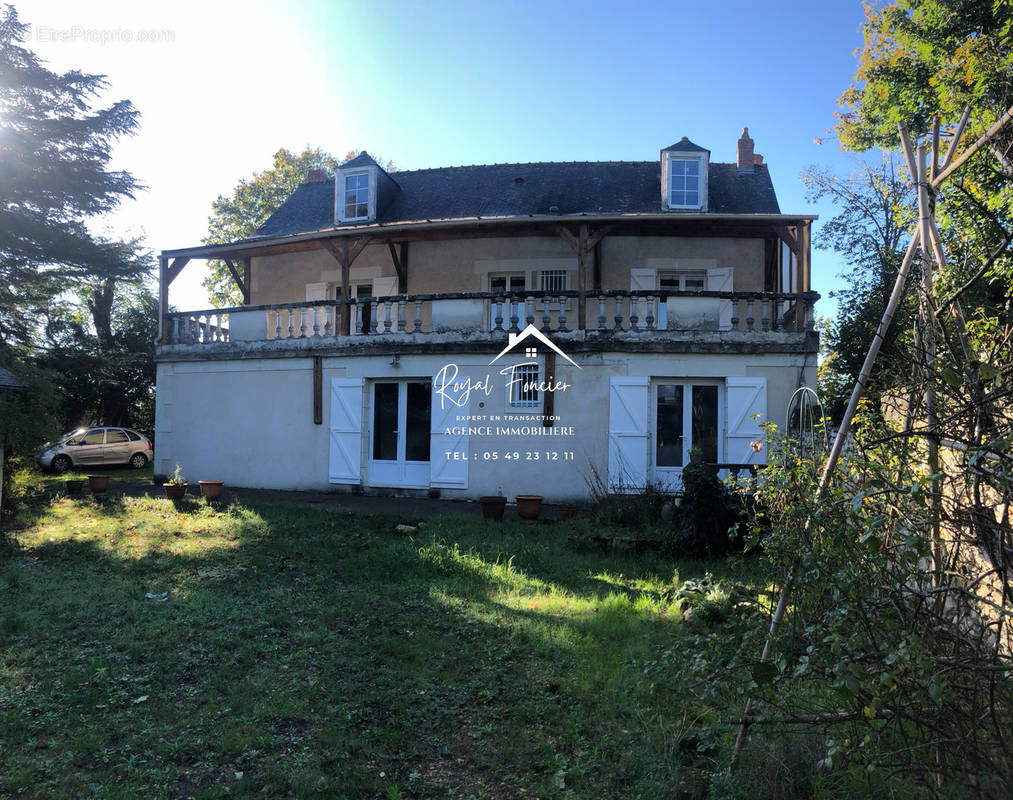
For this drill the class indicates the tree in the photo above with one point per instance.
(252, 201)
(922, 58)
(871, 232)
(54, 153)
(100, 347)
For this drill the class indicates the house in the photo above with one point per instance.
(510, 328)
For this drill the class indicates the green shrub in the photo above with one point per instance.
(707, 513)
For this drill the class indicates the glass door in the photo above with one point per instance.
(399, 446)
(687, 418)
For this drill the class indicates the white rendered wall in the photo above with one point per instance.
(250, 422)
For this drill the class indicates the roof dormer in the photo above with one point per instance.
(684, 168)
(362, 188)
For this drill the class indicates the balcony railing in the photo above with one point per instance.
(606, 313)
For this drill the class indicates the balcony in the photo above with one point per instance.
(684, 321)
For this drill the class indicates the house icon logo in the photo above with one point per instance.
(530, 352)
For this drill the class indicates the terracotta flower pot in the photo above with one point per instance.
(211, 490)
(74, 485)
(566, 512)
(529, 506)
(492, 507)
(175, 491)
(98, 484)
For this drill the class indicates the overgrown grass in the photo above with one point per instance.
(303, 653)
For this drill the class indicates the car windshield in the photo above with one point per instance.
(73, 434)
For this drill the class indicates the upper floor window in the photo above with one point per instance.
(553, 280)
(684, 184)
(357, 196)
(682, 281)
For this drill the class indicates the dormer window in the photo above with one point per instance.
(684, 168)
(683, 182)
(356, 196)
(362, 190)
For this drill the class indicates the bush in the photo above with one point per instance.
(707, 513)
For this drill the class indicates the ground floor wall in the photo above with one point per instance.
(270, 423)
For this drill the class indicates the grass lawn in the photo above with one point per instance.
(31, 476)
(298, 653)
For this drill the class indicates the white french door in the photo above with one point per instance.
(399, 433)
(688, 416)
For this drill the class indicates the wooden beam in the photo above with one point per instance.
(345, 255)
(395, 257)
(549, 398)
(786, 236)
(241, 279)
(163, 299)
(569, 238)
(970, 151)
(176, 267)
(597, 236)
(596, 267)
(318, 390)
(581, 274)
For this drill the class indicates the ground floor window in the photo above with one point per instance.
(687, 417)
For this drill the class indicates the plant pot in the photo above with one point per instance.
(75, 485)
(175, 491)
(529, 506)
(566, 512)
(211, 490)
(492, 507)
(98, 484)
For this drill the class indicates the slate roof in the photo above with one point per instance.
(8, 381)
(684, 145)
(511, 190)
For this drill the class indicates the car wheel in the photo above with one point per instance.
(138, 460)
(60, 463)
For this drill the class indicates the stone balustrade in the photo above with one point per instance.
(605, 313)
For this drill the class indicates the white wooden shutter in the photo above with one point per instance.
(444, 472)
(720, 280)
(746, 411)
(384, 287)
(346, 431)
(628, 412)
(316, 291)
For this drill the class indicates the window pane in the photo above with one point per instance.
(133, 436)
(705, 422)
(524, 389)
(113, 437)
(385, 422)
(417, 422)
(669, 452)
(95, 436)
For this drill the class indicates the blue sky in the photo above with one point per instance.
(446, 83)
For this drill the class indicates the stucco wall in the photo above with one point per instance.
(250, 422)
(465, 265)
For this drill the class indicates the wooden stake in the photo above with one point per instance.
(970, 151)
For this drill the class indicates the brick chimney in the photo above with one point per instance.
(744, 152)
(316, 175)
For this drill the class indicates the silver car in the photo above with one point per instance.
(96, 446)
